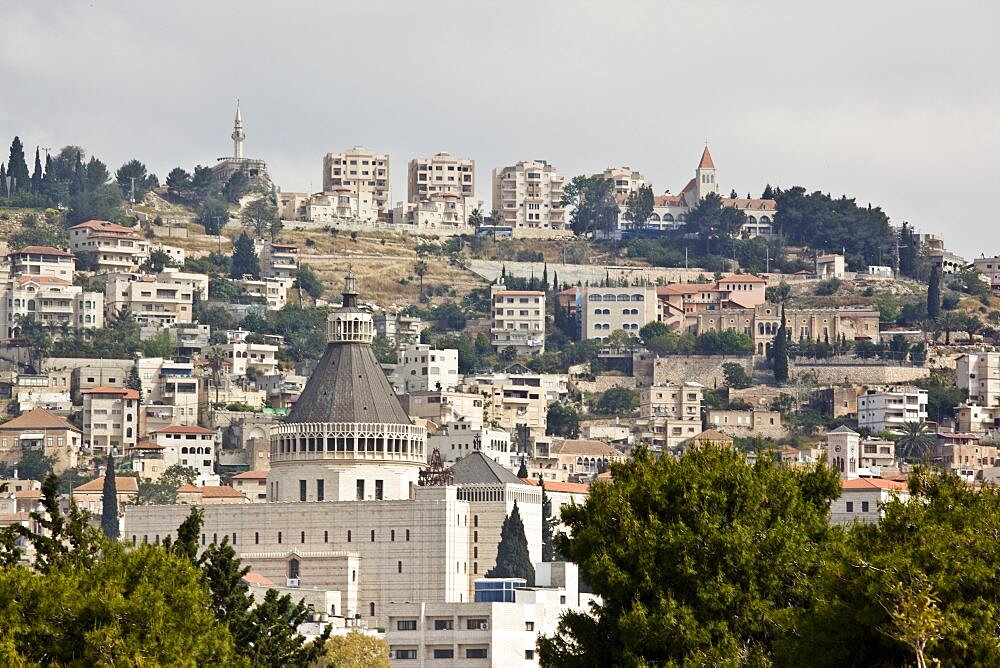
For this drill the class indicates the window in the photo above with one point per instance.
(293, 569)
(279, 537)
(302, 490)
(444, 624)
(399, 566)
(529, 626)
(476, 623)
(406, 653)
(302, 537)
(256, 538)
(407, 535)
(850, 506)
(864, 506)
(475, 653)
(378, 489)
(392, 535)
(406, 625)
(348, 535)
(320, 484)
(529, 655)
(444, 653)
(361, 490)
(373, 535)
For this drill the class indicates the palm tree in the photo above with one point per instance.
(915, 441)
(216, 359)
(420, 268)
(948, 322)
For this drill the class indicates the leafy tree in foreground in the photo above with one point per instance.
(354, 650)
(259, 215)
(513, 560)
(702, 560)
(306, 279)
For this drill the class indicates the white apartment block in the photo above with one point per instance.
(110, 419)
(361, 170)
(979, 374)
(398, 327)
(459, 438)
(50, 301)
(116, 248)
(42, 261)
(273, 291)
(422, 368)
(196, 282)
(626, 180)
(554, 385)
(518, 320)
(342, 203)
(508, 406)
(528, 196)
(244, 355)
(191, 446)
(440, 213)
(605, 310)
(889, 409)
(152, 302)
(442, 173)
(443, 407)
(989, 267)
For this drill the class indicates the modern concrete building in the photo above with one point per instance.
(152, 302)
(669, 414)
(115, 248)
(51, 301)
(362, 172)
(422, 368)
(191, 446)
(245, 355)
(440, 213)
(272, 291)
(830, 265)
(459, 438)
(528, 196)
(605, 310)
(442, 173)
(979, 374)
(891, 408)
(110, 419)
(518, 320)
(42, 261)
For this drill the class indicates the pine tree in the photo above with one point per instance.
(133, 381)
(934, 293)
(768, 192)
(36, 176)
(545, 275)
(77, 185)
(555, 282)
(779, 351)
(513, 560)
(109, 511)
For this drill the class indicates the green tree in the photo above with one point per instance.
(513, 560)
(593, 202)
(245, 261)
(17, 168)
(259, 215)
(948, 322)
(915, 441)
(37, 175)
(777, 293)
(354, 650)
(178, 182)
(779, 352)
(617, 401)
(156, 262)
(109, 502)
(306, 279)
(161, 344)
(34, 464)
(420, 269)
(522, 470)
(476, 219)
(639, 206)
(701, 560)
(213, 214)
(237, 186)
(164, 490)
(133, 179)
(548, 524)
(385, 351)
(38, 338)
(735, 376)
(934, 293)
(712, 221)
(562, 420)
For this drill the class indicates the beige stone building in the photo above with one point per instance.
(152, 302)
(272, 291)
(747, 423)
(115, 248)
(90, 495)
(42, 431)
(440, 213)
(43, 261)
(252, 485)
(191, 446)
(442, 173)
(360, 170)
(445, 406)
(979, 374)
(528, 196)
(244, 355)
(669, 414)
(682, 303)
(861, 499)
(51, 301)
(110, 419)
(605, 310)
(518, 320)
(576, 460)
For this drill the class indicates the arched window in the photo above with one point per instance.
(765, 219)
(638, 297)
(668, 218)
(654, 217)
(594, 298)
(128, 433)
(371, 609)
(623, 298)
(751, 220)
(293, 568)
(609, 298)
(184, 450)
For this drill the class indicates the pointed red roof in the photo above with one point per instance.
(706, 160)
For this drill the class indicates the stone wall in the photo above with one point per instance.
(860, 374)
(704, 369)
(603, 383)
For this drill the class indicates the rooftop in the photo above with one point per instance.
(122, 484)
(477, 468)
(38, 418)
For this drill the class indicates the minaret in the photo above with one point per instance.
(238, 135)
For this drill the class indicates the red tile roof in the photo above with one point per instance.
(125, 392)
(38, 418)
(872, 483)
(122, 483)
(706, 160)
(569, 487)
(742, 278)
(251, 475)
(258, 579)
(30, 278)
(43, 250)
(183, 429)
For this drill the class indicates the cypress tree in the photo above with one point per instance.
(512, 552)
(545, 275)
(548, 545)
(522, 472)
(36, 176)
(109, 512)
(779, 351)
(3, 180)
(18, 168)
(245, 261)
(133, 381)
(934, 293)
(555, 282)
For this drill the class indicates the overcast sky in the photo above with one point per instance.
(894, 103)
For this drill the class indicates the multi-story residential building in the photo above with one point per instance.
(518, 320)
(577, 459)
(964, 454)
(152, 302)
(361, 170)
(292, 205)
(762, 323)
(442, 173)
(605, 310)
(458, 438)
(110, 419)
(507, 405)
(979, 374)
(529, 196)
(626, 180)
(422, 368)
(196, 282)
(891, 408)
(174, 385)
(681, 303)
(114, 248)
(244, 355)
(43, 261)
(554, 385)
(50, 301)
(989, 267)
(746, 423)
(669, 414)
(191, 446)
(976, 419)
(439, 213)
(279, 261)
(398, 327)
(949, 262)
(273, 291)
(342, 203)
(252, 485)
(445, 406)
(861, 499)
(41, 431)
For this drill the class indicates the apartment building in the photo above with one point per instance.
(152, 302)
(49, 300)
(891, 408)
(110, 419)
(422, 368)
(979, 374)
(41, 431)
(279, 261)
(965, 455)
(445, 406)
(528, 196)
(458, 438)
(43, 261)
(361, 170)
(252, 485)
(746, 423)
(342, 203)
(577, 460)
(440, 213)
(442, 173)
(196, 282)
(114, 248)
(989, 267)
(507, 405)
(244, 355)
(398, 327)
(605, 310)
(626, 180)
(191, 446)
(681, 303)
(272, 291)
(762, 323)
(518, 320)
(830, 265)
(669, 414)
